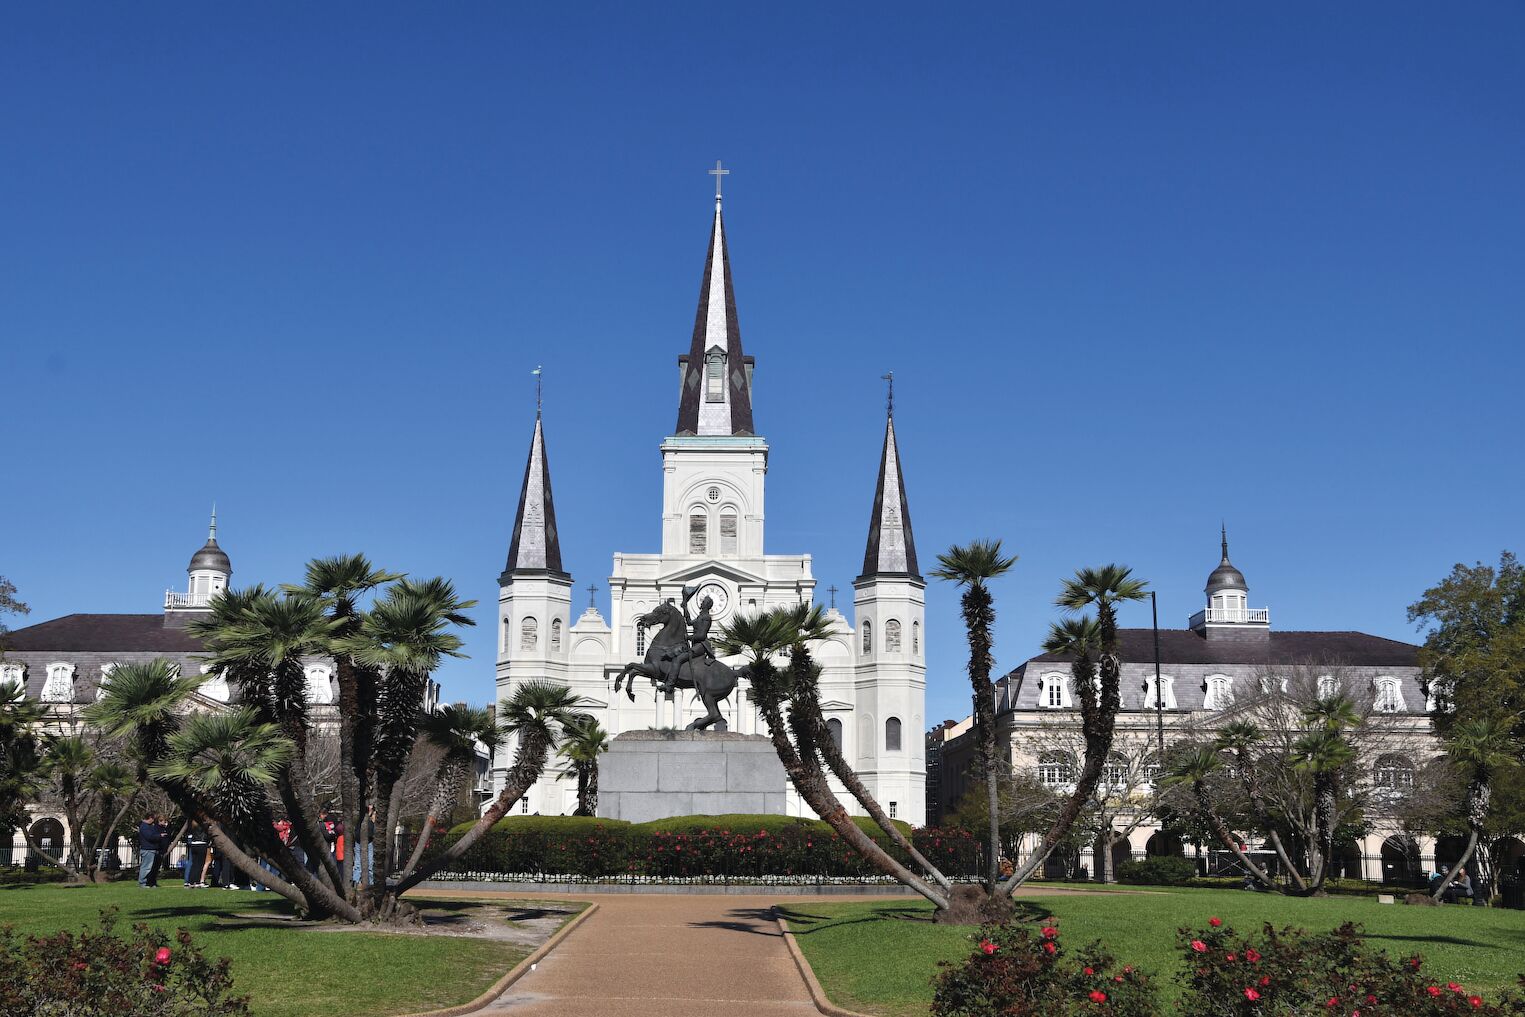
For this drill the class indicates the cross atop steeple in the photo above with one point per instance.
(833, 591)
(537, 372)
(718, 173)
(592, 596)
(890, 405)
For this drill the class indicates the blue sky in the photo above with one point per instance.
(1137, 268)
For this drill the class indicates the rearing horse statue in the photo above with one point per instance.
(713, 680)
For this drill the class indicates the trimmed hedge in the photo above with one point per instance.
(1161, 871)
(733, 846)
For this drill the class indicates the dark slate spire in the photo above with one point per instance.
(536, 546)
(891, 549)
(1225, 576)
(727, 409)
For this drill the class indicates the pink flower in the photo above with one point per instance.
(1251, 995)
(988, 947)
(1266, 980)
(1215, 922)
(1049, 932)
(1088, 971)
(1231, 957)
(163, 955)
(1433, 990)
(1049, 947)
(1097, 996)
(1199, 946)
(1252, 955)
(1453, 986)
(1475, 1001)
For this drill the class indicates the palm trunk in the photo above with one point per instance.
(850, 780)
(1479, 796)
(306, 891)
(810, 782)
(1225, 836)
(979, 615)
(1263, 817)
(448, 790)
(1324, 796)
(529, 764)
(352, 769)
(57, 863)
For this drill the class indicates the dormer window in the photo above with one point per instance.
(59, 688)
(1389, 696)
(714, 378)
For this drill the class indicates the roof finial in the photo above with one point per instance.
(212, 533)
(1223, 529)
(717, 173)
(890, 404)
(537, 372)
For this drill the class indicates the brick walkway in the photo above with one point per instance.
(667, 956)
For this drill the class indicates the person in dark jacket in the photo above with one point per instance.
(148, 850)
(196, 842)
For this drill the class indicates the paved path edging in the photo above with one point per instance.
(817, 994)
(514, 973)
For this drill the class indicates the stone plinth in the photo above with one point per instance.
(648, 775)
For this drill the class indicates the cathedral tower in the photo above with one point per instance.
(534, 592)
(889, 601)
(714, 465)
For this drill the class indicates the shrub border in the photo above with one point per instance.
(514, 973)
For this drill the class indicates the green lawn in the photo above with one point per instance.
(287, 972)
(881, 957)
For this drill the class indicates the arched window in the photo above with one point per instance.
(1114, 772)
(59, 688)
(100, 690)
(915, 638)
(640, 640)
(529, 633)
(834, 726)
(13, 673)
(868, 637)
(714, 378)
(1393, 773)
(320, 689)
(555, 634)
(508, 628)
(1166, 692)
(1328, 685)
(1220, 693)
(892, 636)
(698, 532)
(1271, 685)
(892, 735)
(215, 686)
(1389, 696)
(1055, 769)
(1053, 692)
(728, 539)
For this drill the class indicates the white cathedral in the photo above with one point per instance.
(714, 469)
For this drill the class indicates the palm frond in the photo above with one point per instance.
(974, 563)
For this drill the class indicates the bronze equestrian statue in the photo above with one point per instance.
(676, 660)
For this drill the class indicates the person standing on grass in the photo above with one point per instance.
(195, 854)
(148, 850)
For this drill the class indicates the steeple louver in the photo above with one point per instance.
(716, 396)
(891, 548)
(536, 546)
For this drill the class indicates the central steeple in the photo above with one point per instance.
(716, 391)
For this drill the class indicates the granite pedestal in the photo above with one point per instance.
(648, 775)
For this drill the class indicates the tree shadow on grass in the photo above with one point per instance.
(803, 923)
(1448, 940)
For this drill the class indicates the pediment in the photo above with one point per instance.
(712, 569)
(836, 704)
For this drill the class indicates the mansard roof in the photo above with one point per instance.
(1183, 646)
(716, 327)
(536, 545)
(106, 633)
(891, 549)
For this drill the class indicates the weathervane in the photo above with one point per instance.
(890, 406)
(717, 173)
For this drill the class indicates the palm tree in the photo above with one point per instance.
(1098, 689)
(972, 566)
(1323, 753)
(144, 701)
(23, 768)
(535, 713)
(69, 759)
(1478, 746)
(805, 624)
(1241, 737)
(585, 741)
(110, 782)
(339, 583)
(1193, 768)
(456, 730)
(761, 637)
(261, 641)
(402, 638)
(228, 760)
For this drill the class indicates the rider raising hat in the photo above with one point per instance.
(698, 638)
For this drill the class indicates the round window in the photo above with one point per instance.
(713, 494)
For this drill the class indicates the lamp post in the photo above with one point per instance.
(1159, 693)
